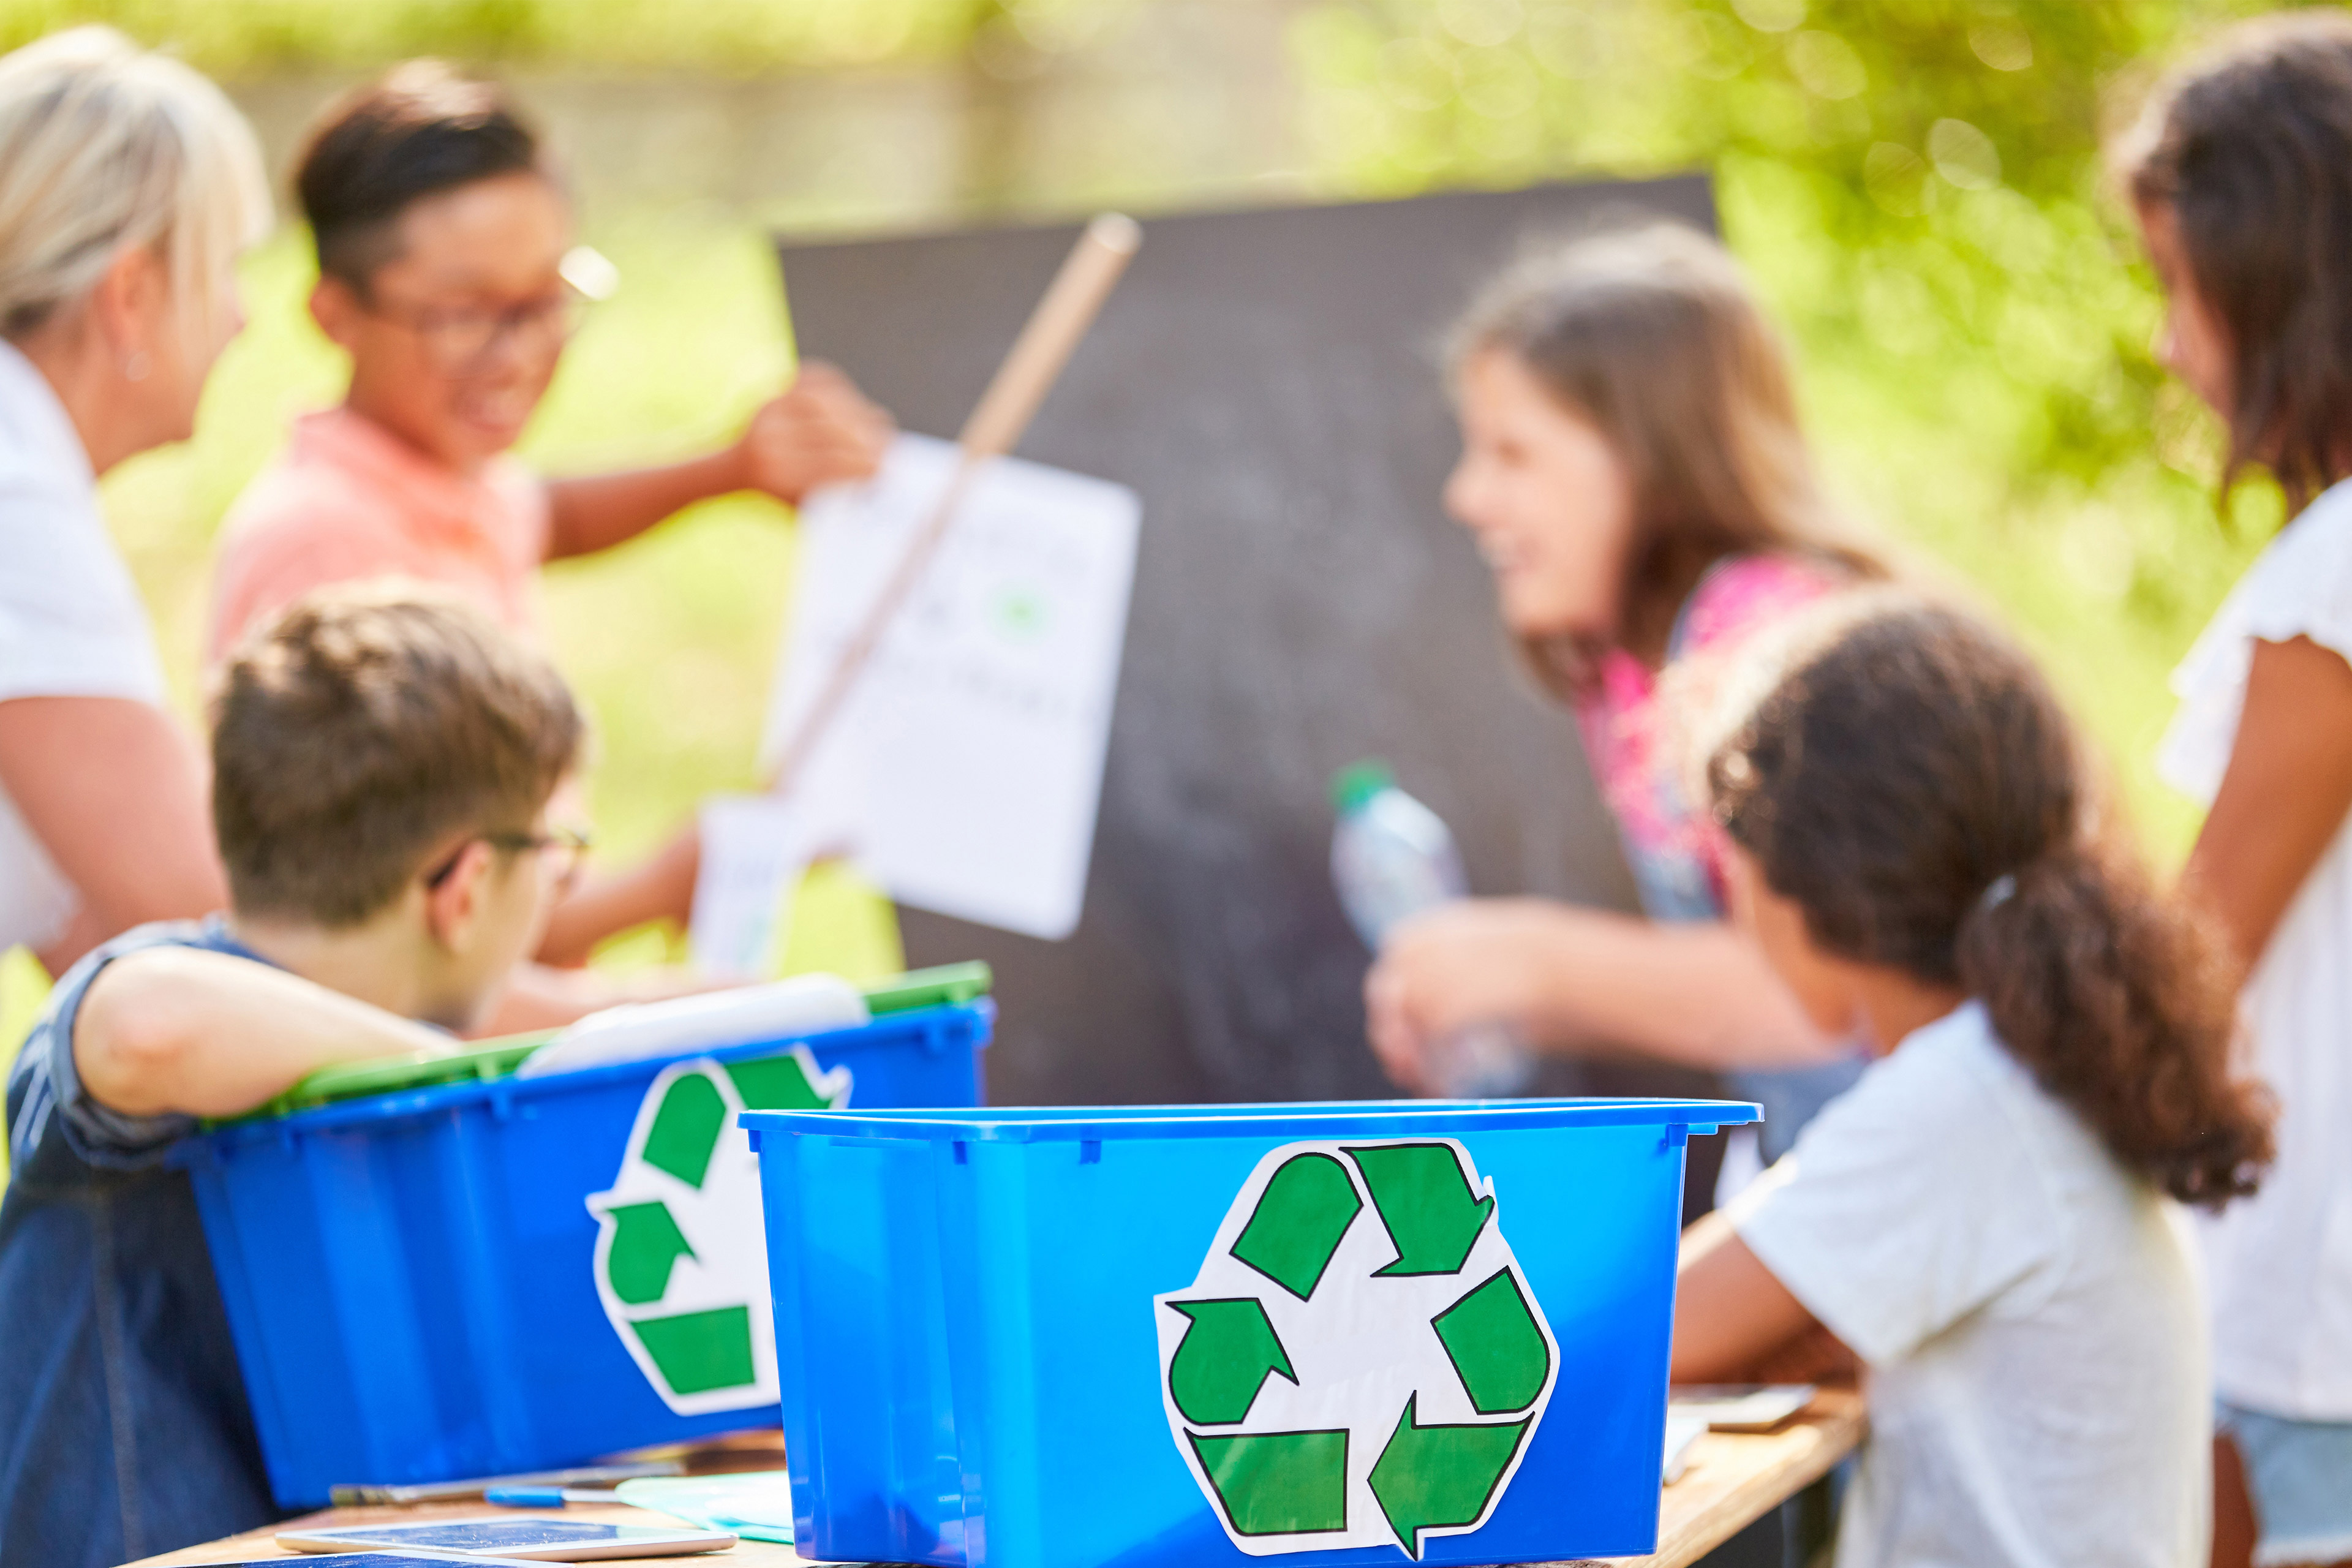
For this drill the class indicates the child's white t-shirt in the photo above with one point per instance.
(2030, 1314)
(2280, 1262)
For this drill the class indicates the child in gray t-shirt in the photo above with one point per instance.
(382, 770)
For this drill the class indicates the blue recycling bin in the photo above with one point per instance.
(480, 1274)
(1336, 1333)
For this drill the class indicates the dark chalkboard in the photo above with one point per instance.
(1270, 382)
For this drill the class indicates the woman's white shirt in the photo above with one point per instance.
(2281, 1263)
(2029, 1312)
(71, 622)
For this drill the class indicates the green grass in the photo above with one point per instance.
(22, 986)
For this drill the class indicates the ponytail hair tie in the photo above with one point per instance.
(1997, 892)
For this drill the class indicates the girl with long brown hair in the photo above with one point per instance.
(1635, 473)
(2240, 174)
(1990, 1218)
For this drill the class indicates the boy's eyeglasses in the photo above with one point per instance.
(459, 338)
(573, 843)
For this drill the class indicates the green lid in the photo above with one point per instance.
(382, 1075)
(929, 988)
(495, 1059)
(1357, 783)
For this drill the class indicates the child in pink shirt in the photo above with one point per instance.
(1634, 474)
(348, 500)
(448, 273)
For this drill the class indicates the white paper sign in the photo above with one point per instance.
(968, 758)
(753, 853)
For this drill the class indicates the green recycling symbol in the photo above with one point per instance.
(1361, 1361)
(682, 1249)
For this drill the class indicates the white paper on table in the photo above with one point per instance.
(1740, 1408)
(969, 756)
(753, 852)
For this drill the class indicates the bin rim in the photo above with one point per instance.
(486, 1060)
(1298, 1120)
(976, 1016)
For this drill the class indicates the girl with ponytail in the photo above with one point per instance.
(1992, 1220)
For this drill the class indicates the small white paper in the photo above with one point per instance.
(753, 853)
(965, 769)
(1740, 1408)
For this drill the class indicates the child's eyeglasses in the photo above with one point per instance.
(459, 338)
(573, 842)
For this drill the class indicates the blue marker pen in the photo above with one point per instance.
(545, 1497)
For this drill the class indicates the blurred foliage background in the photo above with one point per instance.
(1917, 185)
(242, 38)
(1920, 187)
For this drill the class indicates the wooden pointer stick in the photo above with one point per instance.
(1004, 410)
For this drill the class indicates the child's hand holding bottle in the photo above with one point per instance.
(1395, 866)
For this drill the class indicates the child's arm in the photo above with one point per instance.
(1733, 1318)
(2284, 796)
(821, 430)
(178, 1030)
(660, 888)
(548, 996)
(1694, 992)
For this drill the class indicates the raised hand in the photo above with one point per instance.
(821, 430)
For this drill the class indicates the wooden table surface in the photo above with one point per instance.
(1732, 1480)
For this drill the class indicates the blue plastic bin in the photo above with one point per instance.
(1342, 1333)
(414, 1279)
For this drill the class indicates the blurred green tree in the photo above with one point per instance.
(235, 39)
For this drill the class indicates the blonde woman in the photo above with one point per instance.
(127, 186)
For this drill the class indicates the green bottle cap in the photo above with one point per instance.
(1357, 783)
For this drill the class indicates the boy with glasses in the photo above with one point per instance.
(447, 272)
(390, 785)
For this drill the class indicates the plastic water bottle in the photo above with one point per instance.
(1393, 857)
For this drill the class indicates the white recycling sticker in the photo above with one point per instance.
(1361, 1361)
(681, 1261)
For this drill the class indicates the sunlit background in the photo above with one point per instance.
(1917, 185)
